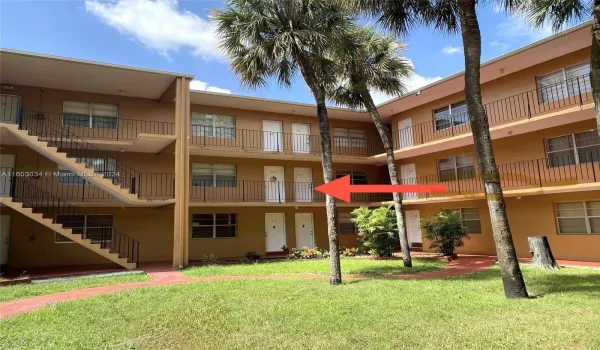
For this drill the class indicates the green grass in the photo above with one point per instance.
(317, 266)
(468, 312)
(19, 291)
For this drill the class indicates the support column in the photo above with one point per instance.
(183, 125)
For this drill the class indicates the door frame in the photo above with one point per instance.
(279, 137)
(412, 141)
(280, 190)
(267, 237)
(405, 195)
(307, 135)
(2, 253)
(312, 223)
(7, 180)
(18, 103)
(410, 241)
(310, 186)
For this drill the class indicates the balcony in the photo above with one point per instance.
(555, 174)
(269, 192)
(207, 140)
(524, 112)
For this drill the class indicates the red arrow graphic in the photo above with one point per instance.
(341, 188)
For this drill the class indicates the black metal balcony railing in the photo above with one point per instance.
(571, 92)
(52, 207)
(537, 173)
(280, 142)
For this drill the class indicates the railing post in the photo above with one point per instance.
(132, 187)
(83, 191)
(539, 172)
(242, 132)
(243, 191)
(13, 185)
(579, 90)
(528, 106)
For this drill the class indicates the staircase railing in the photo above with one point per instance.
(58, 136)
(51, 206)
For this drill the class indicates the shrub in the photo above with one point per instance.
(209, 259)
(307, 253)
(445, 231)
(356, 251)
(377, 229)
(252, 256)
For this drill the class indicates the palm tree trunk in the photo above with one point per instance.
(512, 279)
(386, 139)
(335, 275)
(595, 60)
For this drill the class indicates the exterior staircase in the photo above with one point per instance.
(44, 208)
(58, 144)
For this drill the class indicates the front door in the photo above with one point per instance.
(304, 230)
(7, 166)
(272, 136)
(409, 177)
(413, 228)
(274, 231)
(274, 184)
(301, 138)
(405, 133)
(303, 184)
(9, 107)
(4, 238)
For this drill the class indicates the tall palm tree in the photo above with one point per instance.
(561, 12)
(376, 64)
(453, 16)
(273, 38)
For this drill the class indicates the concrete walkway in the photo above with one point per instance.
(167, 276)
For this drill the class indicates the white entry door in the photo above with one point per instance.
(7, 165)
(4, 238)
(274, 184)
(272, 136)
(274, 231)
(305, 230)
(405, 133)
(303, 184)
(409, 177)
(301, 138)
(9, 107)
(413, 228)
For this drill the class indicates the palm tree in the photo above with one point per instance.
(376, 64)
(272, 39)
(561, 12)
(452, 16)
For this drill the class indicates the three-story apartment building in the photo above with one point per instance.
(111, 164)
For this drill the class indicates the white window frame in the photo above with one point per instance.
(90, 115)
(85, 227)
(547, 98)
(574, 150)
(460, 212)
(451, 120)
(82, 180)
(456, 167)
(585, 216)
(214, 225)
(348, 140)
(200, 130)
(342, 173)
(214, 174)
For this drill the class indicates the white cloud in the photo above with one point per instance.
(516, 27)
(159, 24)
(413, 83)
(204, 86)
(451, 50)
(499, 45)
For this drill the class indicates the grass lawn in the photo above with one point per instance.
(468, 312)
(316, 266)
(20, 291)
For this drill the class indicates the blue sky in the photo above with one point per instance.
(176, 36)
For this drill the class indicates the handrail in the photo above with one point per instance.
(570, 92)
(52, 206)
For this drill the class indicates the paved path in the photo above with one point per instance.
(163, 276)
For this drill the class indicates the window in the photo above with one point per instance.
(578, 217)
(345, 224)
(213, 175)
(582, 147)
(95, 227)
(105, 166)
(90, 115)
(458, 167)
(213, 125)
(214, 225)
(348, 137)
(564, 83)
(356, 177)
(470, 219)
(451, 115)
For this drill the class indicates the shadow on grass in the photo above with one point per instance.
(390, 270)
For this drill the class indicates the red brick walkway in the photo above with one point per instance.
(162, 276)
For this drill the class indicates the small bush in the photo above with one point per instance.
(307, 253)
(445, 231)
(356, 251)
(209, 259)
(252, 256)
(377, 229)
